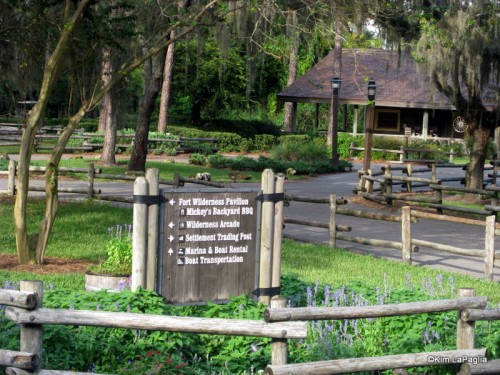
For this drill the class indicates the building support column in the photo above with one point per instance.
(355, 120)
(425, 124)
(497, 141)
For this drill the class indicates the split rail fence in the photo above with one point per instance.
(92, 173)
(404, 153)
(388, 181)
(408, 244)
(10, 135)
(281, 324)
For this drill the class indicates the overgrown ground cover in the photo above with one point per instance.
(313, 275)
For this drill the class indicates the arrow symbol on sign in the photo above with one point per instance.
(170, 252)
(171, 225)
(171, 238)
(172, 202)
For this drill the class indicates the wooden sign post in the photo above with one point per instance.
(208, 244)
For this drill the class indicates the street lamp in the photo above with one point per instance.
(335, 81)
(369, 117)
(372, 89)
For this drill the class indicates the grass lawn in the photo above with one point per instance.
(167, 169)
(81, 232)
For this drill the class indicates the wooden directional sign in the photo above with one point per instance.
(208, 244)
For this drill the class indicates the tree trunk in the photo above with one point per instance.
(475, 168)
(31, 249)
(51, 182)
(152, 85)
(106, 71)
(26, 245)
(165, 88)
(292, 74)
(107, 115)
(25, 248)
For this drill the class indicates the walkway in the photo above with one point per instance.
(343, 184)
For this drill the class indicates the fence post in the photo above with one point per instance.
(91, 176)
(388, 183)
(465, 330)
(369, 183)
(406, 233)
(433, 172)
(139, 234)
(177, 180)
(402, 154)
(452, 154)
(409, 173)
(333, 219)
(11, 184)
(279, 347)
(153, 177)
(278, 233)
(267, 231)
(351, 151)
(439, 197)
(489, 247)
(32, 334)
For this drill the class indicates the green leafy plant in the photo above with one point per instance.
(119, 250)
(198, 159)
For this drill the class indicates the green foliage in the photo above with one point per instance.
(264, 142)
(4, 163)
(301, 167)
(119, 251)
(89, 125)
(344, 143)
(295, 139)
(296, 149)
(386, 143)
(198, 159)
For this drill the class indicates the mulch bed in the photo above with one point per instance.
(52, 265)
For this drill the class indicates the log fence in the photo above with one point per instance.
(405, 152)
(92, 174)
(10, 135)
(279, 323)
(409, 244)
(387, 180)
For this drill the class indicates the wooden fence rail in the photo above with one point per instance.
(32, 321)
(280, 324)
(387, 180)
(92, 174)
(408, 244)
(343, 366)
(151, 322)
(377, 311)
(405, 151)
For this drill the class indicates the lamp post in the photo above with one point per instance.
(369, 117)
(334, 113)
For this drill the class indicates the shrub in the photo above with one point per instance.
(309, 151)
(4, 162)
(344, 144)
(265, 142)
(295, 139)
(218, 161)
(119, 250)
(198, 159)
